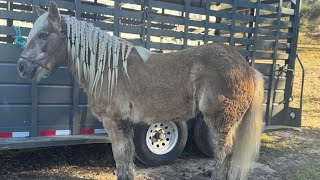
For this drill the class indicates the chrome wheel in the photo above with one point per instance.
(161, 138)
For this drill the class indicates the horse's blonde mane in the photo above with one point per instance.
(93, 53)
(40, 23)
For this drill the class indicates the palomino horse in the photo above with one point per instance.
(127, 84)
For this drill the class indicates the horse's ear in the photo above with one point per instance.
(54, 14)
(39, 11)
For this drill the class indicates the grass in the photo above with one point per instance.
(266, 138)
(306, 171)
(309, 52)
(274, 146)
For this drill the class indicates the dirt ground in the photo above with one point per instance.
(286, 154)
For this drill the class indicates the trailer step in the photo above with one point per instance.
(35, 142)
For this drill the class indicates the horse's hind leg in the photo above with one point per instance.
(222, 118)
(121, 135)
(223, 144)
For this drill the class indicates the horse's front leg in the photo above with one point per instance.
(121, 135)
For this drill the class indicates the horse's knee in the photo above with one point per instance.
(121, 137)
(123, 153)
(123, 150)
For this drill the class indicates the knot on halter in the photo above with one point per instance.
(18, 39)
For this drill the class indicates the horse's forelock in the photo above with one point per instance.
(40, 23)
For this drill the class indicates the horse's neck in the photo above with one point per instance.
(93, 53)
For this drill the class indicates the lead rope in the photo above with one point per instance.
(18, 39)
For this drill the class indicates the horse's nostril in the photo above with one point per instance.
(21, 68)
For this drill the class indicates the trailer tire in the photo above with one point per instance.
(160, 143)
(202, 138)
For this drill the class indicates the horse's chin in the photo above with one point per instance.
(29, 75)
(24, 75)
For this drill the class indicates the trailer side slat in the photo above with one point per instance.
(291, 61)
(274, 62)
(88, 8)
(186, 23)
(206, 31)
(22, 16)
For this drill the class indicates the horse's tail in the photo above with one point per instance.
(248, 135)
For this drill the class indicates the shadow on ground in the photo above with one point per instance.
(93, 155)
(72, 162)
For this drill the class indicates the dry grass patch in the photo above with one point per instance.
(309, 52)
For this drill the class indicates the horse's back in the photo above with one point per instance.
(170, 84)
(219, 66)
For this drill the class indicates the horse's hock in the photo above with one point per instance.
(264, 31)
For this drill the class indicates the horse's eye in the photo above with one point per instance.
(43, 35)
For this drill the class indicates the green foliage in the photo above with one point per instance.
(310, 15)
(266, 139)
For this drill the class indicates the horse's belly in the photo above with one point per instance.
(174, 107)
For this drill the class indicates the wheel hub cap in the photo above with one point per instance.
(162, 137)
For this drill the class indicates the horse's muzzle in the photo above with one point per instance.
(26, 69)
